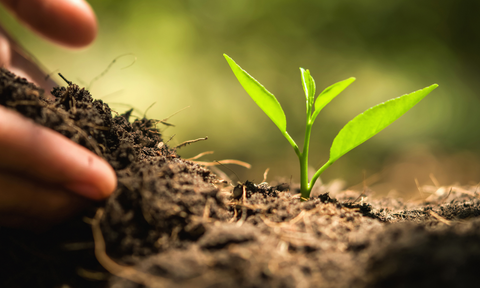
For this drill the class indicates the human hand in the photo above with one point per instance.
(45, 177)
(70, 23)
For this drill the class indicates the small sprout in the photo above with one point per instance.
(357, 131)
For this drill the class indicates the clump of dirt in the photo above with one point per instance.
(159, 196)
(173, 223)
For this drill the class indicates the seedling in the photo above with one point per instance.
(357, 131)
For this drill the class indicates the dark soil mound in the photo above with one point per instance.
(172, 223)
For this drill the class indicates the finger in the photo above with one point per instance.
(5, 50)
(68, 22)
(30, 149)
(25, 203)
(13, 57)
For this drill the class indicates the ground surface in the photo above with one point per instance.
(173, 223)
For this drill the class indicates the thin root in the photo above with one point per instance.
(221, 162)
(111, 266)
(265, 175)
(190, 142)
(440, 218)
(108, 68)
(200, 155)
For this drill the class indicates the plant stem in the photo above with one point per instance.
(304, 186)
(318, 173)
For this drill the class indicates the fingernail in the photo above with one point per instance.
(86, 190)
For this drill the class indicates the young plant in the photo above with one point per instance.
(357, 131)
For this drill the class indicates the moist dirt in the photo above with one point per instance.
(173, 223)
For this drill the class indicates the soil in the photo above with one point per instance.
(173, 223)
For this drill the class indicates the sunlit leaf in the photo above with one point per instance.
(308, 86)
(331, 92)
(372, 121)
(264, 99)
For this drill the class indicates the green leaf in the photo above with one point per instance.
(264, 99)
(331, 92)
(372, 121)
(308, 86)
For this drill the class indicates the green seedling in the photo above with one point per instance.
(357, 131)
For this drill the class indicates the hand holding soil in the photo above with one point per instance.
(44, 177)
(39, 170)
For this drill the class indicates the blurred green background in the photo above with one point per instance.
(391, 47)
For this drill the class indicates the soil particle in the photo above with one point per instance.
(174, 221)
